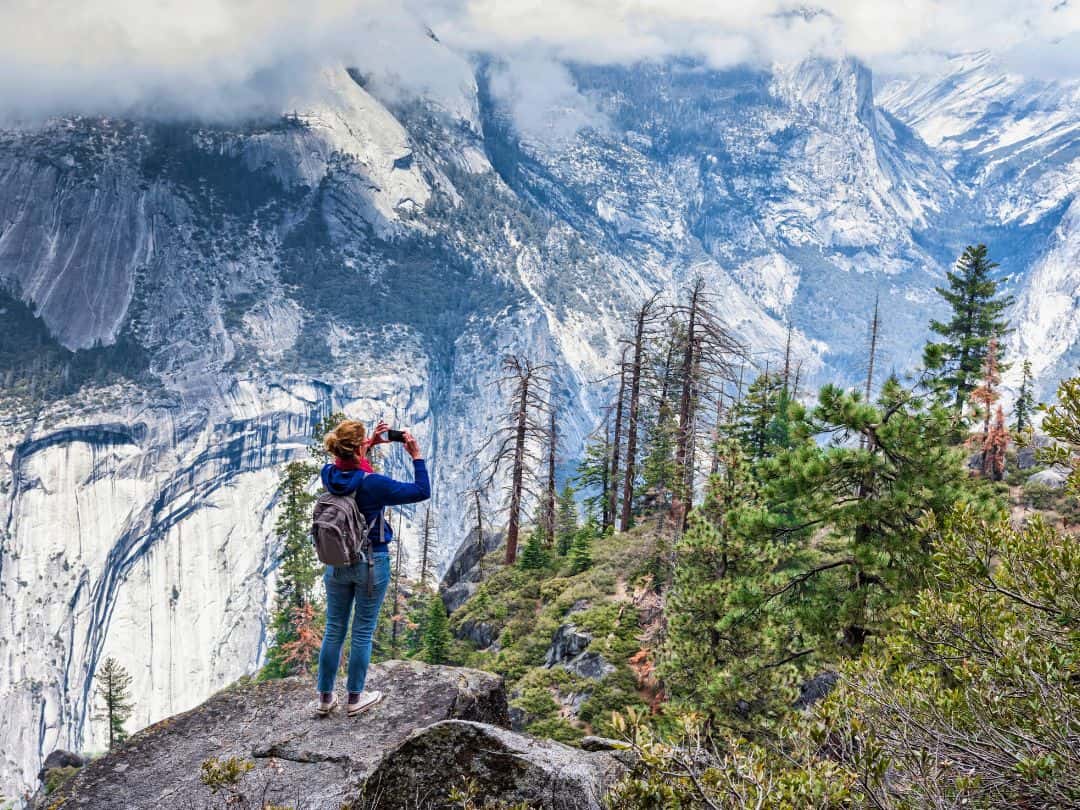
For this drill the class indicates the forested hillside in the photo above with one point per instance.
(776, 598)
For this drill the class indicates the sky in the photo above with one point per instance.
(233, 59)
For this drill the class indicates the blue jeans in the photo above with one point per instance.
(345, 587)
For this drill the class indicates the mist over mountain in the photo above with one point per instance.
(186, 290)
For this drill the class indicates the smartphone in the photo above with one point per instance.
(395, 435)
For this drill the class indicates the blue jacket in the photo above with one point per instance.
(375, 492)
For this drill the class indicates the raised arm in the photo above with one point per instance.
(393, 493)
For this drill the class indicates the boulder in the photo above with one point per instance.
(457, 595)
(590, 665)
(60, 759)
(480, 633)
(464, 569)
(572, 702)
(273, 726)
(501, 765)
(1054, 477)
(1026, 457)
(567, 643)
(815, 689)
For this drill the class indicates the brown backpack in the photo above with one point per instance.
(340, 533)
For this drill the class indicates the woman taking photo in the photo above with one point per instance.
(346, 586)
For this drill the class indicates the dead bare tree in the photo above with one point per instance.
(550, 494)
(616, 444)
(477, 495)
(427, 535)
(874, 326)
(710, 355)
(643, 323)
(518, 441)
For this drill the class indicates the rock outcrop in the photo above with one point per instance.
(464, 572)
(500, 765)
(1054, 477)
(272, 726)
(567, 643)
(437, 728)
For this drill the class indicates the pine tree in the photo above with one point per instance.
(581, 548)
(1025, 402)
(113, 690)
(977, 310)
(760, 419)
(869, 497)
(435, 647)
(594, 474)
(728, 645)
(534, 556)
(299, 568)
(567, 523)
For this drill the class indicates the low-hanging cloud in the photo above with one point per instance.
(234, 59)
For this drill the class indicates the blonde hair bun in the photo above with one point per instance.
(346, 439)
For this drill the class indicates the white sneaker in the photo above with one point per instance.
(326, 706)
(362, 701)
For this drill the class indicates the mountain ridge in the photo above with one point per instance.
(380, 253)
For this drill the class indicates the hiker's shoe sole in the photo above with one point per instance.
(363, 707)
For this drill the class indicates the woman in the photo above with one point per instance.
(346, 587)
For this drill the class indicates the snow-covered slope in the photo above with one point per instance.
(1013, 145)
(379, 253)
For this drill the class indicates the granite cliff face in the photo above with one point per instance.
(378, 253)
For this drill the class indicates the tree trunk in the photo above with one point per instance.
(689, 359)
(394, 603)
(616, 445)
(632, 427)
(479, 533)
(517, 478)
(425, 548)
(873, 351)
(553, 440)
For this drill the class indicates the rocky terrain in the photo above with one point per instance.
(182, 302)
(436, 729)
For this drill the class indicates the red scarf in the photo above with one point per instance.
(349, 464)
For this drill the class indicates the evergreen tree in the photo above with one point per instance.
(534, 556)
(977, 311)
(658, 467)
(435, 647)
(567, 523)
(760, 419)
(113, 690)
(298, 569)
(1025, 402)
(581, 548)
(594, 475)
(868, 498)
(728, 645)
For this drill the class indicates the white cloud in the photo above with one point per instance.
(236, 58)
